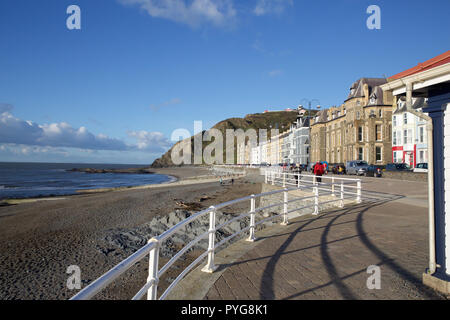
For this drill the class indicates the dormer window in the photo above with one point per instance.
(373, 99)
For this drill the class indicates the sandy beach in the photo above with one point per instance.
(40, 239)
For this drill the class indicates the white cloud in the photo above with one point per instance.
(191, 12)
(150, 141)
(264, 7)
(26, 150)
(26, 133)
(14, 130)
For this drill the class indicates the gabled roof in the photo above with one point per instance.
(429, 64)
(356, 90)
(322, 116)
(376, 97)
(418, 103)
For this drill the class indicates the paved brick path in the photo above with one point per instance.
(326, 257)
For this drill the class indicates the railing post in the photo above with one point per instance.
(341, 204)
(316, 201)
(314, 180)
(251, 236)
(284, 179)
(210, 266)
(265, 177)
(273, 178)
(298, 181)
(285, 208)
(332, 187)
(153, 270)
(358, 192)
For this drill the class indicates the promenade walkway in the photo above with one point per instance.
(327, 256)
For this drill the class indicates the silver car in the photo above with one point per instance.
(357, 167)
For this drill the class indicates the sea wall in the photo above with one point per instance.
(406, 175)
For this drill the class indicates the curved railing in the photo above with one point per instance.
(152, 248)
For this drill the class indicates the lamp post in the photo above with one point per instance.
(309, 102)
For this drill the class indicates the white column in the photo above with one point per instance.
(153, 270)
(358, 192)
(285, 208)
(251, 236)
(210, 266)
(316, 201)
(332, 187)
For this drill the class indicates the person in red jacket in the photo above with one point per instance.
(318, 171)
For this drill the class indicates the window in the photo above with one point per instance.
(394, 121)
(410, 136)
(395, 156)
(405, 118)
(380, 113)
(421, 137)
(360, 154)
(394, 139)
(360, 134)
(378, 153)
(405, 136)
(378, 132)
(357, 115)
(421, 158)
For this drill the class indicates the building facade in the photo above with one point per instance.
(409, 136)
(359, 129)
(431, 80)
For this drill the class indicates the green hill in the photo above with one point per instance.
(280, 119)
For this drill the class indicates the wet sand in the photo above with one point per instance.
(39, 240)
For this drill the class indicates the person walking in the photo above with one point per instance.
(318, 171)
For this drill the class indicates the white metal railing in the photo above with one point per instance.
(152, 248)
(284, 179)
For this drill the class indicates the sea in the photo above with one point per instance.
(31, 180)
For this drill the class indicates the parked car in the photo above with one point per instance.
(397, 167)
(374, 171)
(421, 167)
(335, 168)
(357, 167)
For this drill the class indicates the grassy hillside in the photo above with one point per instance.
(281, 120)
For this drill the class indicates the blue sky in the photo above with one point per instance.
(115, 90)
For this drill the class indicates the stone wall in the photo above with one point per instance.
(406, 175)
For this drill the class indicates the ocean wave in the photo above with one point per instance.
(172, 179)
